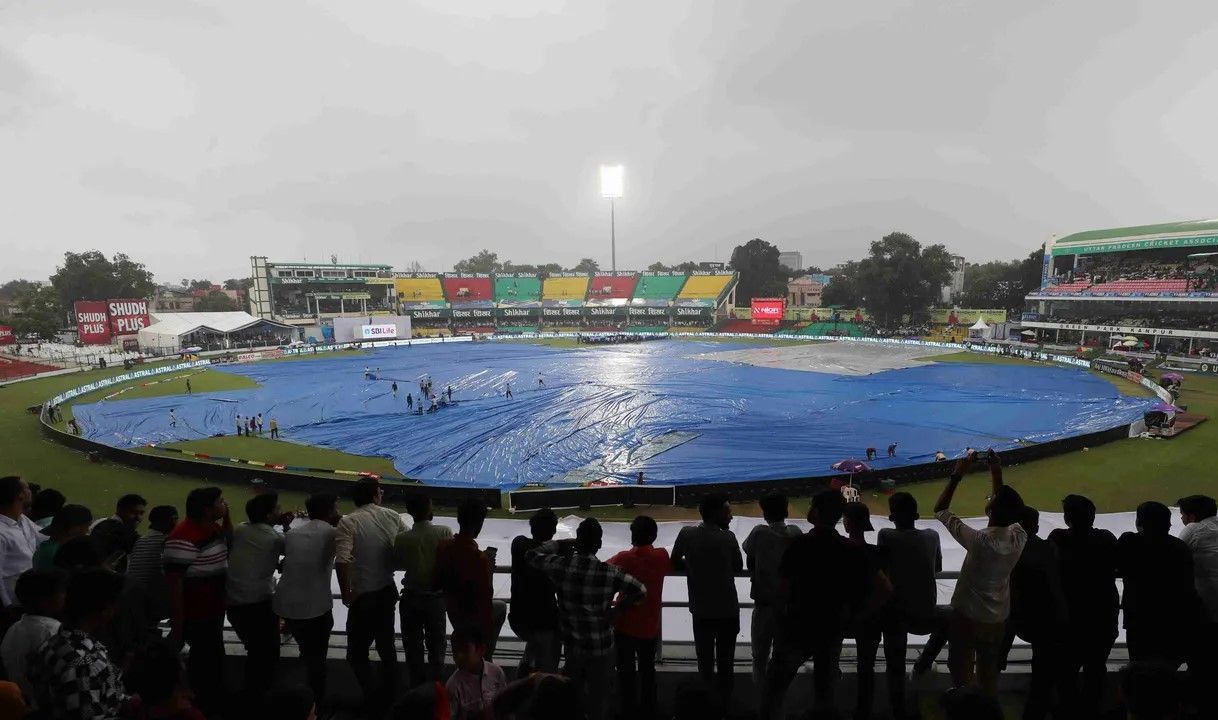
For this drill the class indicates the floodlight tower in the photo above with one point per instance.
(612, 177)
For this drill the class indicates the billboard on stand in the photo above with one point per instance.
(92, 322)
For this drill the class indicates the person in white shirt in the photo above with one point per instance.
(364, 565)
(302, 597)
(1200, 516)
(19, 536)
(982, 600)
(252, 560)
(41, 593)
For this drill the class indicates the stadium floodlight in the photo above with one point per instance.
(612, 181)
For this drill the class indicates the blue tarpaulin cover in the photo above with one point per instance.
(618, 410)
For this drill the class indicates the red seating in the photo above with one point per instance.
(1146, 286)
(11, 369)
(461, 290)
(609, 287)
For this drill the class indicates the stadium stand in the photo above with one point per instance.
(422, 289)
(11, 369)
(658, 287)
(517, 289)
(1142, 286)
(468, 289)
(745, 326)
(517, 329)
(708, 287)
(565, 288)
(842, 329)
(612, 287)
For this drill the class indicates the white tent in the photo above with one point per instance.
(168, 330)
(979, 329)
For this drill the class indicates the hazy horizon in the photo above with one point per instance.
(193, 135)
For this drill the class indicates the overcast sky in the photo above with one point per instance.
(192, 135)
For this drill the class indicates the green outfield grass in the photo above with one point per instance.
(202, 380)
(1126, 387)
(1117, 476)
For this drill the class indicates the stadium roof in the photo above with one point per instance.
(1140, 237)
(220, 322)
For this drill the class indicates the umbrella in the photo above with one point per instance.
(1127, 338)
(1028, 332)
(1166, 408)
(850, 466)
(1131, 343)
(1176, 377)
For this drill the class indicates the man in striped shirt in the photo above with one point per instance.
(145, 566)
(196, 565)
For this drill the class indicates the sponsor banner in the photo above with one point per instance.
(427, 313)
(128, 317)
(724, 273)
(473, 313)
(1125, 330)
(1127, 245)
(378, 332)
(517, 313)
(92, 322)
(417, 275)
(461, 276)
(604, 312)
(966, 316)
(7, 336)
(768, 311)
(378, 281)
(560, 312)
(647, 311)
(691, 311)
(569, 274)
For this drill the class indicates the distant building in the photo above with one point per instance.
(168, 298)
(804, 291)
(791, 259)
(305, 293)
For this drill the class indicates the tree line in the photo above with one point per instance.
(43, 308)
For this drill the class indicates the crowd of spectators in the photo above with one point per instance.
(1119, 267)
(96, 615)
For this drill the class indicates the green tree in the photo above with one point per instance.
(242, 284)
(687, 266)
(761, 275)
(586, 265)
(484, 262)
(1030, 270)
(549, 268)
(899, 278)
(511, 267)
(41, 312)
(657, 267)
(216, 301)
(92, 276)
(201, 284)
(845, 289)
(14, 288)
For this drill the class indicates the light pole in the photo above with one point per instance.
(611, 187)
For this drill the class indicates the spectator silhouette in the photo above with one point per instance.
(1038, 614)
(866, 629)
(71, 673)
(422, 607)
(586, 590)
(145, 568)
(1088, 571)
(1150, 691)
(116, 535)
(825, 583)
(19, 536)
(196, 562)
(913, 558)
(363, 563)
(41, 594)
(290, 703)
(637, 629)
(1160, 601)
(46, 503)
(302, 597)
(157, 677)
(475, 682)
(253, 559)
(970, 703)
(534, 609)
(982, 598)
(1199, 513)
(763, 549)
(710, 556)
(72, 521)
(464, 572)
